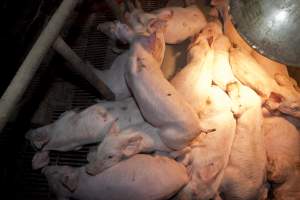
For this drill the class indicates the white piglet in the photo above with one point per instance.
(210, 155)
(141, 177)
(245, 174)
(73, 130)
(182, 23)
(207, 159)
(117, 145)
(159, 102)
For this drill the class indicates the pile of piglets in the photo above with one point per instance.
(225, 127)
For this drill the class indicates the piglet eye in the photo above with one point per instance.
(110, 156)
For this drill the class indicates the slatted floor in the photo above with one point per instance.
(70, 92)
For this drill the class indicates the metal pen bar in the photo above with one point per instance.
(24, 75)
(84, 69)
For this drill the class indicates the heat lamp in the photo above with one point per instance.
(271, 27)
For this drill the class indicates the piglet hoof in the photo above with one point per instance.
(40, 160)
(37, 139)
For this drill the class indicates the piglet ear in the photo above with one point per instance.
(38, 138)
(132, 146)
(114, 129)
(70, 179)
(275, 97)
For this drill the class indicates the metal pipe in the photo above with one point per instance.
(85, 69)
(20, 82)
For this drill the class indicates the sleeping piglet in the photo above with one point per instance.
(118, 145)
(142, 177)
(245, 174)
(161, 105)
(73, 130)
(182, 23)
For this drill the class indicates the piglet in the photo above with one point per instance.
(139, 177)
(73, 130)
(277, 94)
(159, 102)
(120, 31)
(222, 73)
(210, 153)
(282, 141)
(117, 145)
(207, 159)
(271, 67)
(182, 23)
(245, 174)
(195, 78)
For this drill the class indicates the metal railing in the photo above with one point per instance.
(50, 37)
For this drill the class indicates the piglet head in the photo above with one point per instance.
(124, 33)
(108, 28)
(206, 38)
(212, 31)
(62, 180)
(142, 22)
(115, 147)
(138, 19)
